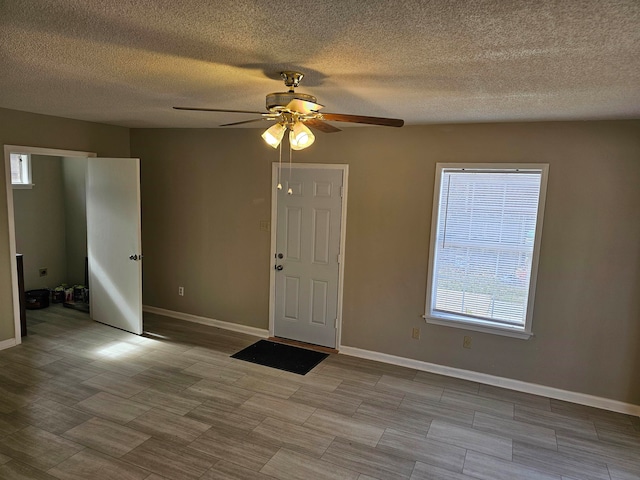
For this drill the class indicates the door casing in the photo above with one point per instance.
(274, 224)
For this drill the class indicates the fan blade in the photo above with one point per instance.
(244, 121)
(341, 117)
(321, 126)
(196, 109)
(303, 106)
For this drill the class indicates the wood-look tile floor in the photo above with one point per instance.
(80, 400)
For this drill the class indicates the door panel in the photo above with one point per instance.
(319, 302)
(294, 233)
(321, 233)
(113, 235)
(292, 298)
(308, 236)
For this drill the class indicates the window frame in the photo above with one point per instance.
(26, 168)
(462, 321)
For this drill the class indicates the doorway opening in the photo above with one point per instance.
(110, 231)
(38, 208)
(51, 232)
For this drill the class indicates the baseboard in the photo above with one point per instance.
(234, 327)
(11, 342)
(520, 386)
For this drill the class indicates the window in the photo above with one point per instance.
(486, 230)
(20, 170)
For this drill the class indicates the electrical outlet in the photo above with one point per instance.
(181, 291)
(466, 343)
(43, 272)
(415, 333)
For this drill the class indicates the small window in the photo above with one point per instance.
(486, 230)
(21, 170)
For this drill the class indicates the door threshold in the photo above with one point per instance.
(308, 346)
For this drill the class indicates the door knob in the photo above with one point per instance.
(279, 267)
(133, 257)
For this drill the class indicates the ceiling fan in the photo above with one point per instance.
(296, 111)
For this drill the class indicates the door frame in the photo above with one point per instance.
(274, 226)
(8, 150)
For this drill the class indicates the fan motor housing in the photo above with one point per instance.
(278, 101)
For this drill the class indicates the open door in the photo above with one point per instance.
(114, 242)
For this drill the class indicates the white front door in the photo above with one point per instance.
(114, 242)
(307, 254)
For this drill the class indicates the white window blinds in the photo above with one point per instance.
(484, 244)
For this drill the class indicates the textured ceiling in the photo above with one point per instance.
(127, 62)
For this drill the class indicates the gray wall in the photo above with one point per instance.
(74, 172)
(39, 216)
(22, 128)
(202, 203)
(204, 193)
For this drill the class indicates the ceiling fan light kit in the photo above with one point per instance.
(274, 134)
(300, 137)
(292, 110)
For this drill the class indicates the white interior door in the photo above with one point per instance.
(308, 239)
(114, 242)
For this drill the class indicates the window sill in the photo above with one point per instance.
(469, 325)
(22, 186)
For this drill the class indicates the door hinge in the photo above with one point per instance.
(339, 258)
(341, 192)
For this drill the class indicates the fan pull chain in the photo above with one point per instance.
(279, 187)
(290, 191)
